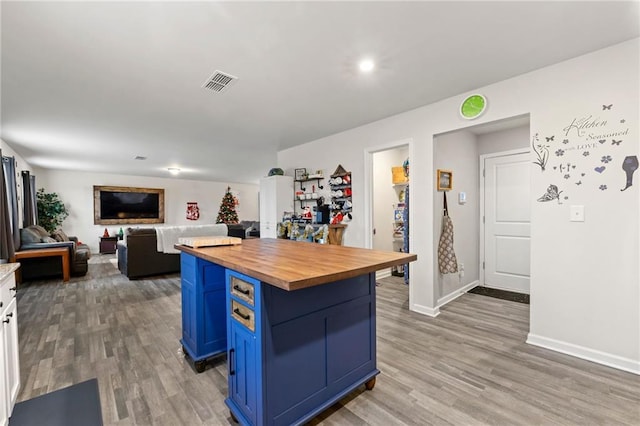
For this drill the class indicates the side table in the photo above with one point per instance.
(108, 244)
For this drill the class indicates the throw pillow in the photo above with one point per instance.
(29, 236)
(60, 236)
(47, 240)
(40, 230)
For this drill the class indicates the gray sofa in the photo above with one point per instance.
(138, 254)
(36, 237)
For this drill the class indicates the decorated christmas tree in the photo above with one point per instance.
(227, 213)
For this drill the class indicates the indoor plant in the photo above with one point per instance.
(51, 210)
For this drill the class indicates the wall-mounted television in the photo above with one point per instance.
(123, 205)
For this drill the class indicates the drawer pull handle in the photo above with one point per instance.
(6, 321)
(241, 315)
(241, 290)
(1, 303)
(10, 314)
(232, 371)
(13, 288)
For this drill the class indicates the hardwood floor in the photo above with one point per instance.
(470, 365)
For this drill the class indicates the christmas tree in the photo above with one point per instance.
(227, 213)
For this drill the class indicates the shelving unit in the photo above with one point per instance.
(301, 195)
(399, 226)
(341, 193)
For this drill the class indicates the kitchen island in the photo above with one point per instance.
(299, 323)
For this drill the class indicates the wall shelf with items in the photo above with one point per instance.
(400, 241)
(398, 235)
(305, 186)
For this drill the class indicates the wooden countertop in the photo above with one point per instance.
(292, 265)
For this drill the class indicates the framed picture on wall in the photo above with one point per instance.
(300, 174)
(445, 180)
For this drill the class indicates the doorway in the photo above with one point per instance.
(382, 197)
(388, 203)
(461, 152)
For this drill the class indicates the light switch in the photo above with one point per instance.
(577, 214)
(462, 197)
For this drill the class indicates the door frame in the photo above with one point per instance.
(481, 250)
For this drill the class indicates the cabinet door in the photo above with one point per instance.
(188, 288)
(4, 397)
(242, 361)
(12, 353)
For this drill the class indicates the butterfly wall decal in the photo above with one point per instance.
(615, 142)
(602, 140)
(605, 107)
(579, 182)
(550, 138)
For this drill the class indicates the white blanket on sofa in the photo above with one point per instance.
(167, 236)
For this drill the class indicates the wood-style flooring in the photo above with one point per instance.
(468, 366)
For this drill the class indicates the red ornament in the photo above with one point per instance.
(193, 211)
(106, 233)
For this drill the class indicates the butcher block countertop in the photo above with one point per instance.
(292, 265)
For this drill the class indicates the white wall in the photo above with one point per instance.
(585, 295)
(503, 140)
(458, 152)
(76, 191)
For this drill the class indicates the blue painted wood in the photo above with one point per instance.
(243, 357)
(204, 328)
(312, 347)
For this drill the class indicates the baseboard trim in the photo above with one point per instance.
(425, 310)
(588, 354)
(383, 273)
(456, 293)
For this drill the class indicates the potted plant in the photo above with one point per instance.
(51, 210)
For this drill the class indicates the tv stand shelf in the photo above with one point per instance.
(108, 244)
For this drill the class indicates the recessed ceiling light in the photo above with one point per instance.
(173, 170)
(139, 157)
(366, 65)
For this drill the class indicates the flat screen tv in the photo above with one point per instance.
(123, 205)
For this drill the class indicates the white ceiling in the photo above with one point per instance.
(90, 85)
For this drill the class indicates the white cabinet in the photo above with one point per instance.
(9, 349)
(276, 197)
(4, 408)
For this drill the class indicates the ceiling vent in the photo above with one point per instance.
(219, 81)
(140, 157)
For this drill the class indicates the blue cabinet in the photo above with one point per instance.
(294, 353)
(204, 332)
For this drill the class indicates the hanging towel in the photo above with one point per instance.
(446, 256)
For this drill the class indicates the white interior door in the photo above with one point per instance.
(507, 222)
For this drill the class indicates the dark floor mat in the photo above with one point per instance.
(501, 294)
(77, 404)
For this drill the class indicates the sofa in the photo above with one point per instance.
(139, 255)
(244, 229)
(36, 237)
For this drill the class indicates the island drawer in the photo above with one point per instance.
(242, 289)
(243, 315)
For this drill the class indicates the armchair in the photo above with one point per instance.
(35, 237)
